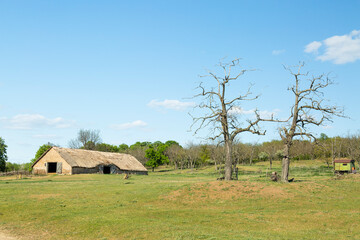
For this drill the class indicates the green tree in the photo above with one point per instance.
(323, 137)
(104, 147)
(12, 167)
(42, 149)
(138, 145)
(156, 155)
(3, 155)
(204, 154)
(123, 148)
(171, 143)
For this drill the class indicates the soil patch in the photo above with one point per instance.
(5, 236)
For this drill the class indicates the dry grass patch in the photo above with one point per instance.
(45, 196)
(5, 235)
(352, 177)
(306, 187)
(228, 190)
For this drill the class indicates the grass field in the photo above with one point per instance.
(184, 204)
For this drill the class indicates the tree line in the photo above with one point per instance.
(192, 156)
(171, 153)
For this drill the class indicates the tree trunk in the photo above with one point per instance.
(153, 169)
(285, 165)
(251, 156)
(176, 165)
(270, 163)
(228, 161)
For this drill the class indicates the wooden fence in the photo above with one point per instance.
(17, 173)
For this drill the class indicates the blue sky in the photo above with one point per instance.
(128, 68)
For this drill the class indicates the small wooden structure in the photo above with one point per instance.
(74, 161)
(344, 165)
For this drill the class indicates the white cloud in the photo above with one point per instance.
(263, 114)
(313, 47)
(238, 110)
(134, 124)
(340, 49)
(31, 121)
(269, 114)
(45, 136)
(278, 52)
(171, 104)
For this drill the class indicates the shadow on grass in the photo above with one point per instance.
(166, 170)
(298, 180)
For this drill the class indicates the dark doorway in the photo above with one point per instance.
(106, 170)
(51, 167)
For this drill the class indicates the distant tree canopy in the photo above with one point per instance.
(3, 155)
(10, 167)
(104, 147)
(86, 139)
(323, 137)
(123, 147)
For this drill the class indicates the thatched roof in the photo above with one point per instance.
(91, 159)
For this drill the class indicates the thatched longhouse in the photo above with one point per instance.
(74, 161)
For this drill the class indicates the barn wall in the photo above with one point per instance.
(99, 169)
(134, 172)
(115, 170)
(78, 170)
(51, 156)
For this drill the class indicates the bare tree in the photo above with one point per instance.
(86, 139)
(218, 156)
(271, 148)
(139, 153)
(176, 154)
(222, 114)
(192, 155)
(309, 109)
(353, 147)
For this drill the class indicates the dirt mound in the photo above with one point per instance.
(228, 190)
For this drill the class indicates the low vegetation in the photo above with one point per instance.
(184, 204)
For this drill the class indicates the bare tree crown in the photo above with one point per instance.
(310, 106)
(221, 113)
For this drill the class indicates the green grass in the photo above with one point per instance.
(184, 205)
